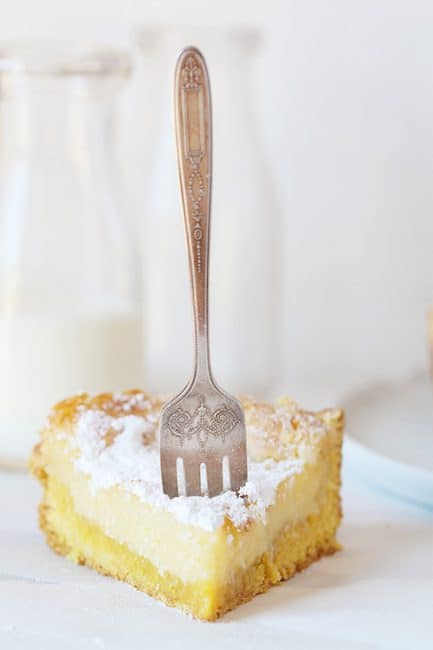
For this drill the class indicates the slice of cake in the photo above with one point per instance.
(103, 505)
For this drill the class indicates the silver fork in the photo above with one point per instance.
(203, 428)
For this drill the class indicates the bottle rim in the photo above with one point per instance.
(51, 58)
(149, 36)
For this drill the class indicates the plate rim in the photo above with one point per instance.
(417, 481)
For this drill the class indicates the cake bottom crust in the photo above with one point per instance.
(294, 548)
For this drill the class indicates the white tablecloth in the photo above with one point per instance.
(376, 593)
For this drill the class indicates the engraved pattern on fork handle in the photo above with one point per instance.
(194, 150)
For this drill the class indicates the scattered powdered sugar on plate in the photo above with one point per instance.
(123, 451)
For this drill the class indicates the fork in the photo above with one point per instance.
(202, 430)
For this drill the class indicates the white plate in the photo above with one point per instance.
(391, 438)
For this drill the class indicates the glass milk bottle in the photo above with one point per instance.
(244, 288)
(70, 317)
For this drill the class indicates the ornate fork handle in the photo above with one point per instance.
(194, 147)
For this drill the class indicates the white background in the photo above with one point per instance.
(344, 93)
(345, 99)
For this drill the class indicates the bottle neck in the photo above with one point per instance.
(51, 123)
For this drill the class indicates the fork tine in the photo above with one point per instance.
(238, 468)
(169, 475)
(192, 477)
(214, 470)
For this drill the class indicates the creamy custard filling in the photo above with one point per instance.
(191, 552)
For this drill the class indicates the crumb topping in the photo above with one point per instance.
(114, 438)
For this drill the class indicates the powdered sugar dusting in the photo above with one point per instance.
(122, 451)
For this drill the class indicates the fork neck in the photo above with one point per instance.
(202, 366)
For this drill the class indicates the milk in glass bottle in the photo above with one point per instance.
(70, 317)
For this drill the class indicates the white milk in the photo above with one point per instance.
(45, 359)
